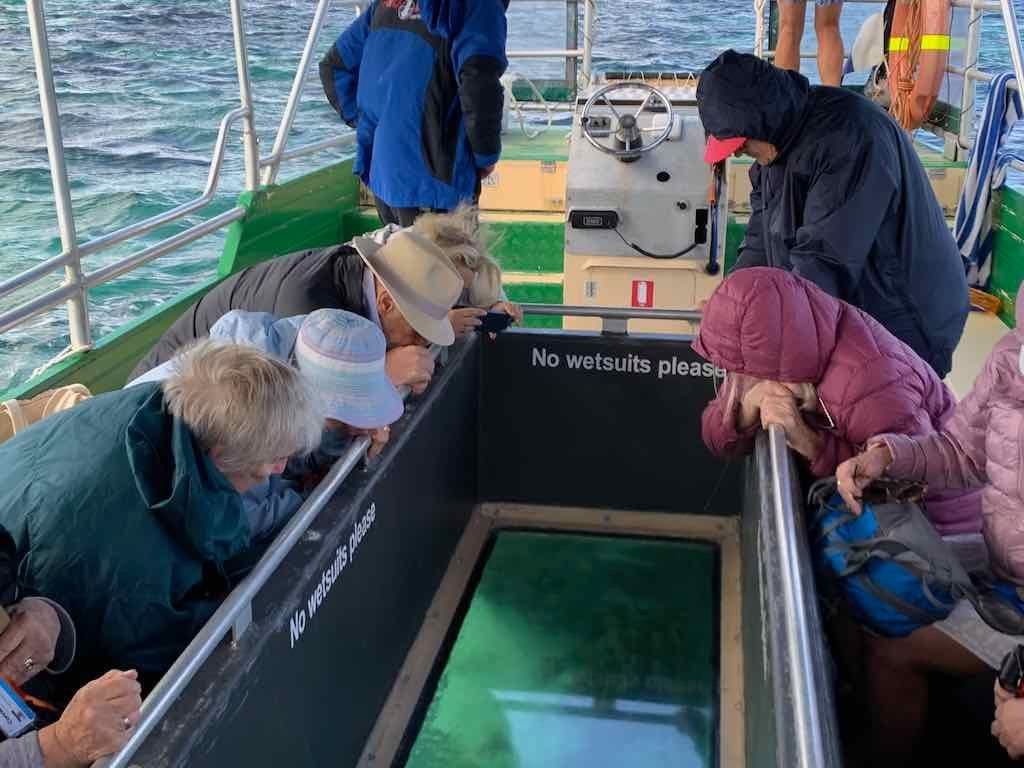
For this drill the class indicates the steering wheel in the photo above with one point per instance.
(628, 131)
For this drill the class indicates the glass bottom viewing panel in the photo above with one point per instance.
(581, 650)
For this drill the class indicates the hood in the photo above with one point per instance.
(741, 95)
(445, 17)
(181, 486)
(770, 324)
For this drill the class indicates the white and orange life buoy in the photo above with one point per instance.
(917, 58)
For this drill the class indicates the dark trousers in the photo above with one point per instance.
(403, 217)
(406, 217)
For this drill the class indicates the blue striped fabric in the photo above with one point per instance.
(986, 172)
(343, 355)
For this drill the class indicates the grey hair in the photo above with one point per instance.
(458, 234)
(254, 407)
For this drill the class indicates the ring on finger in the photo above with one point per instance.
(30, 664)
(126, 723)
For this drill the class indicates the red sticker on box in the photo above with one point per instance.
(643, 294)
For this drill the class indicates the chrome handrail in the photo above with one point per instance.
(610, 313)
(806, 732)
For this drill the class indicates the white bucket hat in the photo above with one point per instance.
(343, 356)
(422, 280)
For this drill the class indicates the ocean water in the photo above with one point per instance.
(142, 87)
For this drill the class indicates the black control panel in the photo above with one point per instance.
(593, 219)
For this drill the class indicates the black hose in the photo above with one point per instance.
(650, 255)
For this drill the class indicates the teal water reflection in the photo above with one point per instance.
(581, 651)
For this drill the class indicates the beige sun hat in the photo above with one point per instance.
(422, 280)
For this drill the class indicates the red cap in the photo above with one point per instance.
(719, 149)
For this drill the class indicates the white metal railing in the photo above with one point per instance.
(74, 289)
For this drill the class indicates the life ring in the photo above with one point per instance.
(918, 54)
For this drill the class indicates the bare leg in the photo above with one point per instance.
(830, 43)
(791, 32)
(898, 671)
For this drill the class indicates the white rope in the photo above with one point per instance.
(68, 352)
(508, 81)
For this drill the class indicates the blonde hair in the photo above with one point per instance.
(458, 235)
(255, 408)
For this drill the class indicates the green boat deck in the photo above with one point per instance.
(581, 650)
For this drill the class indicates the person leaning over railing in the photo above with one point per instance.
(458, 235)
(400, 280)
(980, 446)
(128, 508)
(826, 372)
(41, 638)
(342, 356)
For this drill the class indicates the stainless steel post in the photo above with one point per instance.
(78, 311)
(970, 87)
(1013, 40)
(295, 96)
(249, 141)
(588, 39)
(572, 41)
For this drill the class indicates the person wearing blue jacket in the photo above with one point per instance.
(419, 82)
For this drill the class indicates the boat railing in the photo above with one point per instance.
(614, 320)
(971, 71)
(75, 287)
(805, 721)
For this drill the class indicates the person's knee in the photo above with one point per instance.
(826, 20)
(791, 19)
(892, 654)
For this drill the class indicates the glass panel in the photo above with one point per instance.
(581, 651)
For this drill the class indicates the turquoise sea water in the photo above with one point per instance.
(143, 85)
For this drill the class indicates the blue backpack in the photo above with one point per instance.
(895, 571)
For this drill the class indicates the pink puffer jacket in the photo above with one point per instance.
(771, 324)
(982, 445)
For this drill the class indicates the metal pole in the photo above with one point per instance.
(285, 128)
(1013, 40)
(78, 311)
(970, 88)
(572, 40)
(588, 40)
(249, 142)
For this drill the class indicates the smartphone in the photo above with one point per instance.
(494, 322)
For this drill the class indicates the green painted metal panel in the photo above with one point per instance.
(734, 234)
(551, 145)
(106, 367)
(551, 90)
(304, 213)
(581, 651)
(1008, 250)
(528, 246)
(534, 293)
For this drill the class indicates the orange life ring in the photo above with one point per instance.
(918, 56)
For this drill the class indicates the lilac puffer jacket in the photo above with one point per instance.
(982, 445)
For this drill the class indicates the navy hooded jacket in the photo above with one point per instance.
(846, 204)
(419, 81)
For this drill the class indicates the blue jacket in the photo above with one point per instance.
(419, 81)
